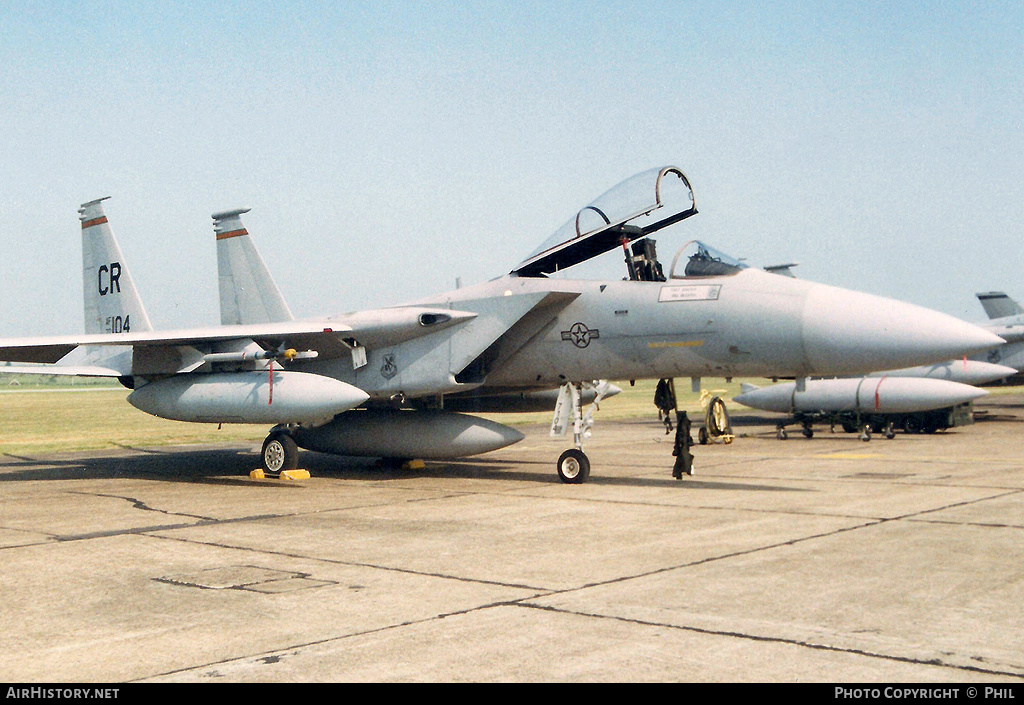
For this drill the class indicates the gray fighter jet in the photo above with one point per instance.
(383, 382)
(1006, 319)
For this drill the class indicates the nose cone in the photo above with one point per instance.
(963, 371)
(909, 394)
(777, 398)
(849, 332)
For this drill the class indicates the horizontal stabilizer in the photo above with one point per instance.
(61, 370)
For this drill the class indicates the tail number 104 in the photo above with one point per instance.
(118, 324)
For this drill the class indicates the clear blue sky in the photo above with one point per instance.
(387, 148)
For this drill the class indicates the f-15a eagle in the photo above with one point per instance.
(392, 382)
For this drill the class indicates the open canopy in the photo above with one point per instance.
(637, 207)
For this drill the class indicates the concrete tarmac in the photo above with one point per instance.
(806, 560)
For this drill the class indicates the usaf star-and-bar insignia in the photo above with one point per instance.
(580, 335)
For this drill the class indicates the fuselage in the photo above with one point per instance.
(538, 332)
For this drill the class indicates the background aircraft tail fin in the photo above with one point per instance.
(783, 269)
(248, 293)
(112, 304)
(999, 305)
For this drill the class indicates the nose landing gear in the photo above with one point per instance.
(573, 465)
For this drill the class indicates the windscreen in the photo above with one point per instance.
(697, 259)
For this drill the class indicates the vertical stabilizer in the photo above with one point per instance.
(112, 304)
(999, 305)
(248, 293)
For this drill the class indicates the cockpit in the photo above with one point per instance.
(625, 217)
(701, 260)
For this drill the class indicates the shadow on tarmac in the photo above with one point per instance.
(231, 465)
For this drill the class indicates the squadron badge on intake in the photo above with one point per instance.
(389, 369)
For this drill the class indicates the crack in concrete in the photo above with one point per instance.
(139, 504)
(783, 640)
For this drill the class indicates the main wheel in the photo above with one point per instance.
(279, 453)
(573, 466)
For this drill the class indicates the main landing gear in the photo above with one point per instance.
(279, 458)
(280, 453)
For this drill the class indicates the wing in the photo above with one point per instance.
(169, 352)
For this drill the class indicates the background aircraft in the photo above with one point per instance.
(1006, 319)
(379, 382)
(910, 399)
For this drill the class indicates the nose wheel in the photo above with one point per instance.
(573, 466)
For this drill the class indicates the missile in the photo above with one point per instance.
(428, 435)
(278, 397)
(247, 355)
(878, 395)
(965, 371)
